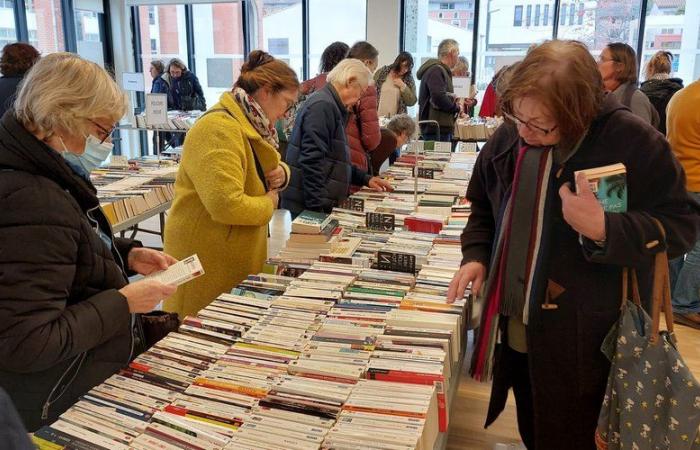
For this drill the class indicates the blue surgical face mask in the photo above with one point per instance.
(94, 155)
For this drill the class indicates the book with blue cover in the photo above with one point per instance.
(609, 184)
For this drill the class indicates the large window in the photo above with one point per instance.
(89, 30)
(164, 28)
(8, 33)
(219, 47)
(503, 40)
(45, 25)
(674, 26)
(346, 21)
(279, 31)
(599, 23)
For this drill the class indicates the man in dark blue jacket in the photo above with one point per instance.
(436, 100)
(318, 154)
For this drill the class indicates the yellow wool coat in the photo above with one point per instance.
(220, 211)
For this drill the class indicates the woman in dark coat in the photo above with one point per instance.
(15, 61)
(184, 91)
(560, 294)
(659, 86)
(66, 306)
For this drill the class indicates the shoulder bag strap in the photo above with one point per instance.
(258, 166)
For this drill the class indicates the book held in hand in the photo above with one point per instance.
(181, 272)
(609, 184)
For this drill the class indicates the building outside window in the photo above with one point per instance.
(528, 15)
(518, 17)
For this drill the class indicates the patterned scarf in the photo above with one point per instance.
(517, 277)
(256, 116)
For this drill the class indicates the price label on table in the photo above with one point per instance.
(396, 262)
(425, 172)
(353, 204)
(380, 221)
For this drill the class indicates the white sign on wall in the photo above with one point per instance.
(133, 81)
(156, 110)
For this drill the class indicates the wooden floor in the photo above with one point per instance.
(469, 411)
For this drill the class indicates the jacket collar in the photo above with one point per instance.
(22, 151)
(336, 97)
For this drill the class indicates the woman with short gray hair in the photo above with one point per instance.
(318, 154)
(66, 305)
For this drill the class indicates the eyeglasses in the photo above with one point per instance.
(534, 128)
(105, 132)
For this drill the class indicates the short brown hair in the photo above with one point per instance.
(563, 75)
(17, 59)
(659, 63)
(158, 65)
(625, 59)
(263, 70)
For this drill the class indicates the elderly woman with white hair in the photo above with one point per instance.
(318, 154)
(66, 306)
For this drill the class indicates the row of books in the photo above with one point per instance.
(133, 190)
(176, 120)
(476, 129)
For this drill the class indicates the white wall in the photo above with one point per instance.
(383, 26)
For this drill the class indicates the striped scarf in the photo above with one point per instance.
(517, 278)
(256, 116)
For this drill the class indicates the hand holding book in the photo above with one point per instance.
(583, 211)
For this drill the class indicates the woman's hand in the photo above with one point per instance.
(472, 272)
(146, 260)
(582, 211)
(398, 82)
(274, 196)
(380, 184)
(276, 177)
(143, 295)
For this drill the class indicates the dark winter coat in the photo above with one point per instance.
(159, 85)
(362, 129)
(64, 326)
(185, 93)
(408, 95)
(318, 156)
(566, 367)
(8, 92)
(436, 99)
(659, 93)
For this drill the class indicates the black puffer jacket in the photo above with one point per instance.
(318, 156)
(659, 93)
(64, 327)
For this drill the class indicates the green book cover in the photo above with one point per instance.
(609, 184)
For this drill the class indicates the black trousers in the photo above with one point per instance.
(522, 390)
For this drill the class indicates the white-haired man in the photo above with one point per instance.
(436, 100)
(318, 154)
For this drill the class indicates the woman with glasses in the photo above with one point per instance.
(228, 182)
(617, 64)
(553, 256)
(66, 306)
(399, 93)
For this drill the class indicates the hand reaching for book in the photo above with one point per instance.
(472, 272)
(380, 184)
(583, 211)
(143, 295)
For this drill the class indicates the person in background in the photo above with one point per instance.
(396, 96)
(318, 154)
(228, 183)
(572, 292)
(461, 69)
(15, 61)
(683, 128)
(659, 87)
(362, 128)
(66, 305)
(436, 100)
(618, 67)
(489, 104)
(400, 129)
(330, 57)
(158, 85)
(184, 91)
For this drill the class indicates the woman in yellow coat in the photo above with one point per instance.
(227, 186)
